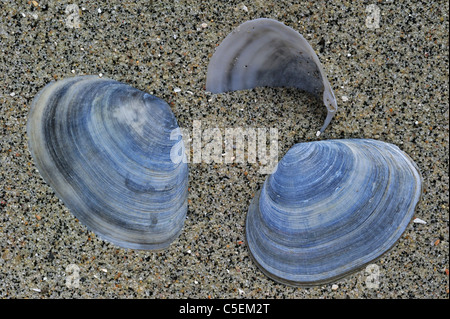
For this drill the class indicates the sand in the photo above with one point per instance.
(388, 65)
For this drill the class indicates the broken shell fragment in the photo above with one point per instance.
(330, 208)
(104, 147)
(267, 53)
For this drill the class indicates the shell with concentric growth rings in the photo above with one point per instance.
(104, 147)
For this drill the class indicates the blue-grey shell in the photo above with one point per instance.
(330, 208)
(265, 52)
(104, 147)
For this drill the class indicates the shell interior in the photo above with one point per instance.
(267, 53)
(104, 147)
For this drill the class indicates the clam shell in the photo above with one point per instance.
(330, 208)
(265, 52)
(104, 147)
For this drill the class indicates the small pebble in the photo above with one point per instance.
(419, 221)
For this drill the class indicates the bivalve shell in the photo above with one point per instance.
(330, 208)
(104, 147)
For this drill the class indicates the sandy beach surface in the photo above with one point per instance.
(387, 62)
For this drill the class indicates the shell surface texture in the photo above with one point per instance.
(267, 53)
(104, 147)
(330, 208)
